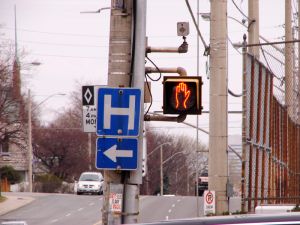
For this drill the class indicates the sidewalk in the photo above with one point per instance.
(13, 202)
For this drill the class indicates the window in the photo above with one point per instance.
(4, 145)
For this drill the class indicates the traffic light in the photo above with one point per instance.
(182, 95)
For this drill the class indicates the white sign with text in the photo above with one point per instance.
(209, 198)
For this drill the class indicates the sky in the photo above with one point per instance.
(72, 48)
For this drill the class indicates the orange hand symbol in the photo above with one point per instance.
(182, 95)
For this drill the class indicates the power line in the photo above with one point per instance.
(69, 56)
(58, 44)
(57, 33)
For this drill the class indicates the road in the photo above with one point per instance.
(66, 209)
(59, 209)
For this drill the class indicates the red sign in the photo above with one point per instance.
(209, 198)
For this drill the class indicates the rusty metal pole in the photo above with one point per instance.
(288, 59)
(244, 124)
(298, 72)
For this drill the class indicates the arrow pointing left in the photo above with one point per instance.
(112, 153)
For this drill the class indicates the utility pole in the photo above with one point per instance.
(218, 122)
(288, 58)
(29, 144)
(126, 68)
(119, 72)
(253, 26)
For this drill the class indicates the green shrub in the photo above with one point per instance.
(11, 174)
(48, 183)
(296, 208)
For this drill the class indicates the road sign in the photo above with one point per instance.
(116, 153)
(118, 111)
(115, 202)
(89, 108)
(87, 95)
(209, 202)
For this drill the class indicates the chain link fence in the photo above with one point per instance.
(271, 150)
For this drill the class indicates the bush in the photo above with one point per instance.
(11, 174)
(296, 208)
(48, 183)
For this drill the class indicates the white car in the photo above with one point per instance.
(90, 182)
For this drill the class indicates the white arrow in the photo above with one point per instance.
(112, 153)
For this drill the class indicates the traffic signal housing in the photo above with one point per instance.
(182, 95)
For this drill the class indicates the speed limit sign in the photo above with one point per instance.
(209, 202)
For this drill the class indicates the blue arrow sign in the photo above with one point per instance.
(116, 153)
(118, 112)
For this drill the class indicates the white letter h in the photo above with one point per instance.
(109, 111)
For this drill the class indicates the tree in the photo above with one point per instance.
(180, 163)
(10, 173)
(62, 146)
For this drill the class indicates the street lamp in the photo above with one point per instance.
(161, 168)
(98, 11)
(30, 133)
(161, 164)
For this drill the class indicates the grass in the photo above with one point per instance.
(2, 199)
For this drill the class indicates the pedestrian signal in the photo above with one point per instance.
(182, 95)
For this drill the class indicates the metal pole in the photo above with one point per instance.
(90, 150)
(135, 178)
(218, 121)
(244, 128)
(29, 144)
(197, 130)
(161, 172)
(288, 59)
(298, 74)
(16, 40)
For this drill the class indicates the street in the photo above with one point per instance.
(66, 209)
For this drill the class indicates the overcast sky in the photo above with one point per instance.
(73, 47)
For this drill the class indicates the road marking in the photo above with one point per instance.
(98, 223)
(92, 203)
(173, 205)
(54, 221)
(69, 214)
(178, 200)
(170, 210)
(167, 218)
(79, 209)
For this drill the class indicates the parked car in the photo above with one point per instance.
(90, 182)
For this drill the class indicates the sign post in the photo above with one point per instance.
(209, 202)
(118, 123)
(118, 112)
(89, 108)
(116, 153)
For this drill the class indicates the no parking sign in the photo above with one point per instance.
(209, 202)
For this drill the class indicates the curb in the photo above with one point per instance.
(13, 202)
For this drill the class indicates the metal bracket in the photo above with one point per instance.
(126, 214)
(178, 119)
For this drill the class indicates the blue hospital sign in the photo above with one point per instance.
(118, 111)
